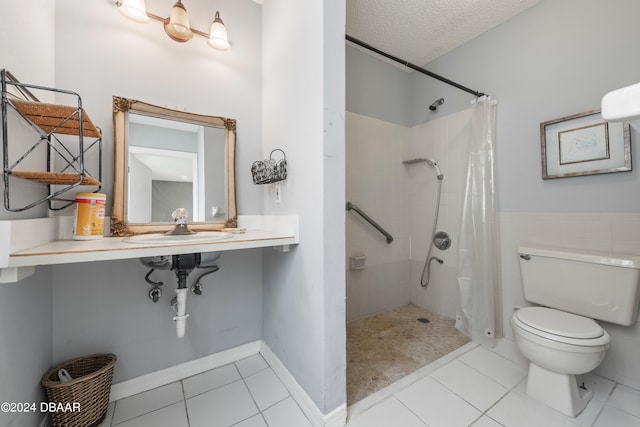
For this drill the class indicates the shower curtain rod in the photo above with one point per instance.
(413, 66)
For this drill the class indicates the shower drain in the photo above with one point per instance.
(423, 320)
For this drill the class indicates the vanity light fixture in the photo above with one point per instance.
(177, 24)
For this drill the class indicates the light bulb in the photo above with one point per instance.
(133, 9)
(218, 34)
(177, 26)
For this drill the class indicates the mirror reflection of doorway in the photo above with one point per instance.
(160, 181)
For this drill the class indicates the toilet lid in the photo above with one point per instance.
(559, 323)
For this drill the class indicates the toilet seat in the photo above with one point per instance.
(559, 326)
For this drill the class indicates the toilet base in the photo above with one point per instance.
(559, 391)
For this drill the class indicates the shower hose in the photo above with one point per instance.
(426, 270)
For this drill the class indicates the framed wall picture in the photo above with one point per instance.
(584, 144)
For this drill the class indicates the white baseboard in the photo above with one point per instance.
(336, 418)
(184, 370)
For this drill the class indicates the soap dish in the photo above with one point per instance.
(235, 230)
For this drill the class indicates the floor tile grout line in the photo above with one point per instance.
(154, 410)
(253, 373)
(184, 401)
(509, 388)
(146, 413)
(261, 411)
(289, 395)
(482, 412)
(408, 409)
(252, 396)
(497, 354)
(115, 404)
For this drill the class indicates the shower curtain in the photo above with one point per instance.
(478, 248)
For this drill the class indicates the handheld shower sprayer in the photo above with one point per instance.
(426, 271)
(436, 104)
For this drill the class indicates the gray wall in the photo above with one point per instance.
(303, 111)
(215, 185)
(162, 138)
(167, 196)
(26, 344)
(377, 89)
(103, 307)
(557, 59)
(30, 60)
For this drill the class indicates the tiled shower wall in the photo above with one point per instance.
(402, 198)
(445, 140)
(377, 182)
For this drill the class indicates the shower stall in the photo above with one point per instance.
(384, 291)
(412, 181)
(403, 199)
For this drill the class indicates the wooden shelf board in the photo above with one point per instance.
(49, 116)
(59, 178)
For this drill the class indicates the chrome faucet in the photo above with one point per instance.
(180, 217)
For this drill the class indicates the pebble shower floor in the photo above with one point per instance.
(386, 347)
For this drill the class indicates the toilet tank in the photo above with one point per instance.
(596, 285)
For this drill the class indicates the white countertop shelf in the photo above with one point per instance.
(111, 248)
(29, 243)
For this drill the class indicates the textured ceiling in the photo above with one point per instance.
(419, 31)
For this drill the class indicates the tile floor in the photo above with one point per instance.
(246, 393)
(474, 386)
(471, 386)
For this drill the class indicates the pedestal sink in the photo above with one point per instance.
(159, 239)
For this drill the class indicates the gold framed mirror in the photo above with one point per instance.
(166, 159)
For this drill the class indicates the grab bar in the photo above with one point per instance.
(351, 206)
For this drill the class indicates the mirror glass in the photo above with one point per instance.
(166, 159)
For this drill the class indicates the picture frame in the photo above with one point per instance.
(584, 144)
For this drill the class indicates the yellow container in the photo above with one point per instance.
(89, 216)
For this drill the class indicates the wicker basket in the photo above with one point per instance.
(87, 393)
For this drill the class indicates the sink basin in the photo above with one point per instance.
(159, 239)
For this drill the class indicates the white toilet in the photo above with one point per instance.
(560, 338)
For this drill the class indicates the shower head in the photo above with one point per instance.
(436, 104)
(430, 162)
(434, 165)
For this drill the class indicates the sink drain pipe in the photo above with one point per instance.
(181, 311)
(183, 265)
